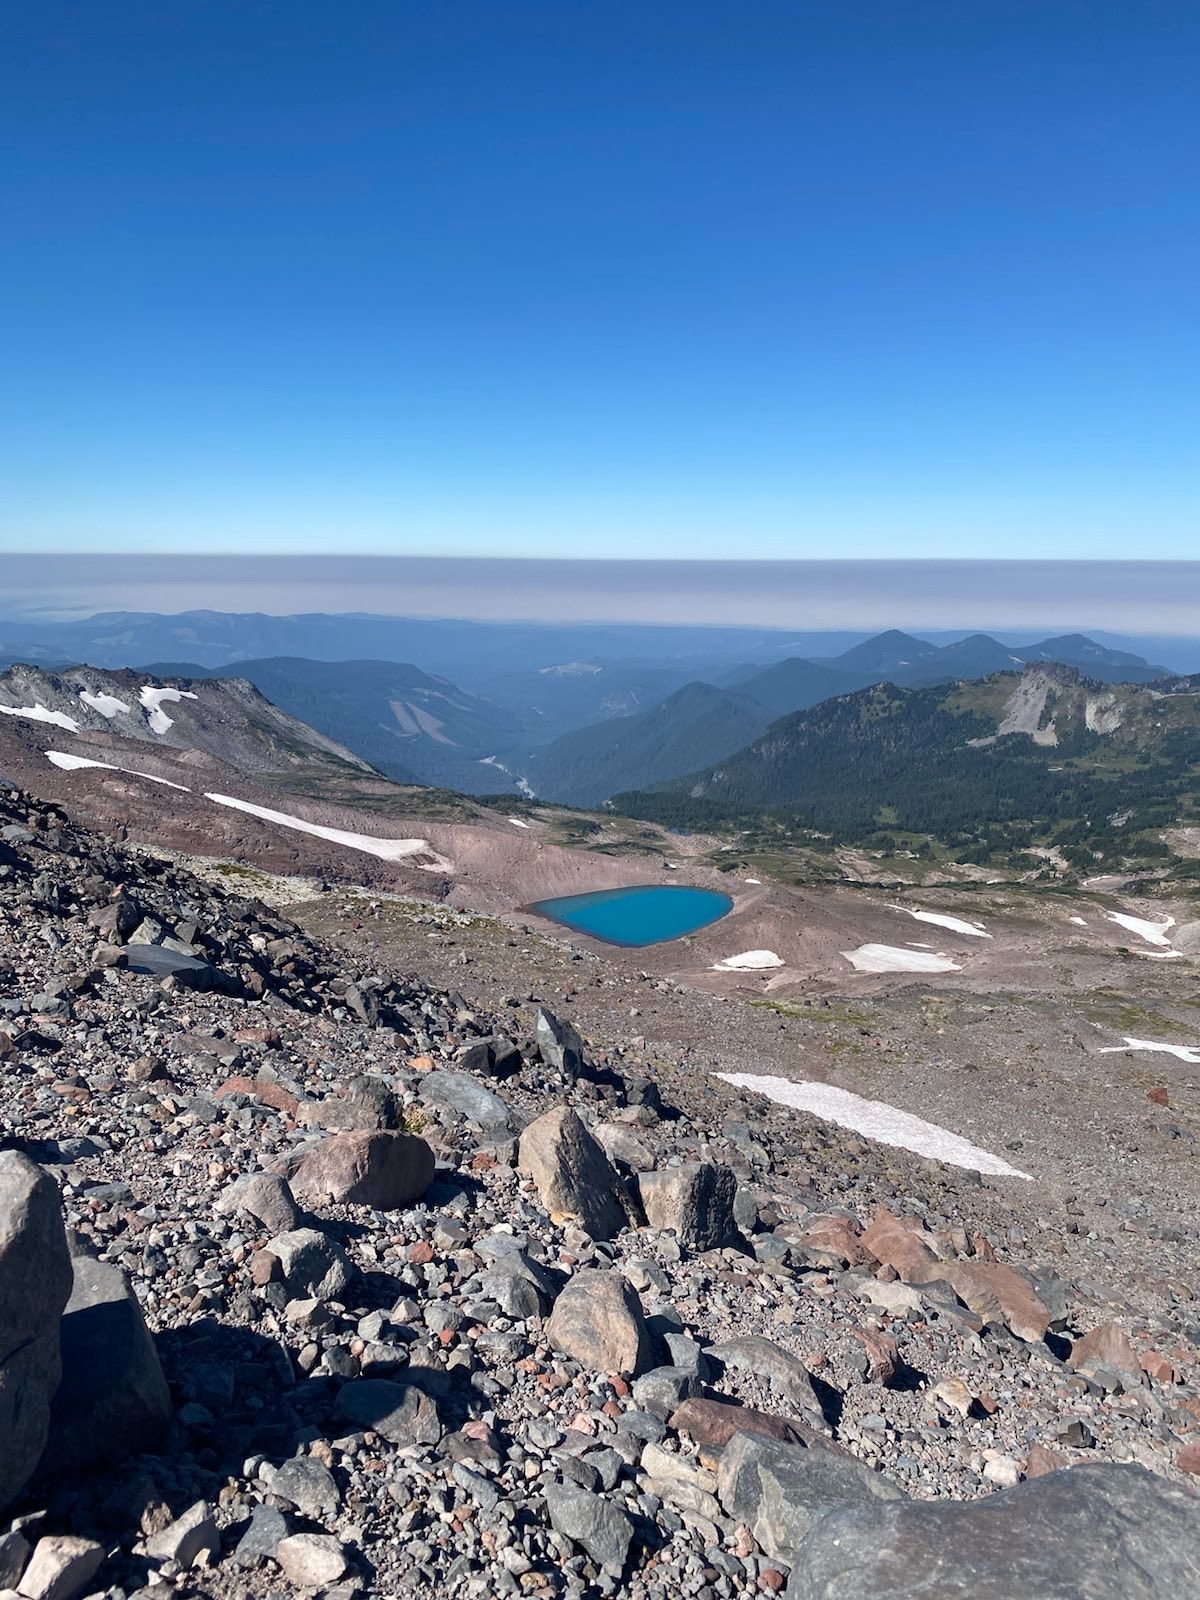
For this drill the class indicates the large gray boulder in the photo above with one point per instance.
(35, 1281)
(598, 1321)
(593, 1521)
(1094, 1532)
(694, 1201)
(113, 1398)
(575, 1179)
(780, 1490)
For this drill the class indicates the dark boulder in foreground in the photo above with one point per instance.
(1094, 1532)
(35, 1280)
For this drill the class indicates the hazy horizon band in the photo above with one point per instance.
(1122, 596)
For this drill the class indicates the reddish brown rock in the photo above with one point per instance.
(264, 1089)
(714, 1423)
(999, 1293)
(1041, 1461)
(896, 1244)
(1106, 1346)
(883, 1356)
(837, 1237)
(380, 1169)
(1159, 1096)
(1188, 1459)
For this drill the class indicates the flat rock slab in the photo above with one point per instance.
(1094, 1532)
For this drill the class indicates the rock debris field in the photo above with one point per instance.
(316, 1278)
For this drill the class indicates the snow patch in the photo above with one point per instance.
(757, 882)
(106, 704)
(1152, 932)
(517, 823)
(69, 763)
(1080, 922)
(153, 698)
(749, 961)
(370, 844)
(874, 1119)
(40, 714)
(1188, 1053)
(887, 958)
(955, 924)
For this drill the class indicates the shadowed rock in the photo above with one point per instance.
(35, 1281)
(574, 1178)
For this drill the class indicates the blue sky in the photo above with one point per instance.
(603, 279)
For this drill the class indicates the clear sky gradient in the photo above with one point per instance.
(623, 279)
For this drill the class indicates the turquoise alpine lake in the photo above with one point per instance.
(648, 913)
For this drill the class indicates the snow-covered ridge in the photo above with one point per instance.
(152, 698)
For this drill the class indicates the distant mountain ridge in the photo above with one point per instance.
(409, 724)
(1046, 747)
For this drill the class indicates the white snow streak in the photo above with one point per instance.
(106, 704)
(1080, 922)
(874, 1119)
(749, 961)
(153, 698)
(1152, 932)
(756, 881)
(40, 714)
(887, 958)
(370, 844)
(955, 924)
(67, 763)
(1185, 1052)
(517, 823)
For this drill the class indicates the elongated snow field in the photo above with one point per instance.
(955, 924)
(69, 763)
(106, 704)
(874, 1119)
(370, 844)
(60, 719)
(1152, 932)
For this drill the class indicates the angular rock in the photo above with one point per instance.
(694, 1201)
(458, 1091)
(1106, 1347)
(592, 1521)
(574, 1178)
(113, 1399)
(398, 1412)
(187, 1538)
(558, 1042)
(311, 1560)
(779, 1490)
(307, 1484)
(60, 1567)
(35, 1281)
(264, 1196)
(310, 1264)
(766, 1360)
(1097, 1532)
(598, 1321)
(379, 1169)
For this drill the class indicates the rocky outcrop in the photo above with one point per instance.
(35, 1282)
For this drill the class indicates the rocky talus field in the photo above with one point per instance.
(319, 1277)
